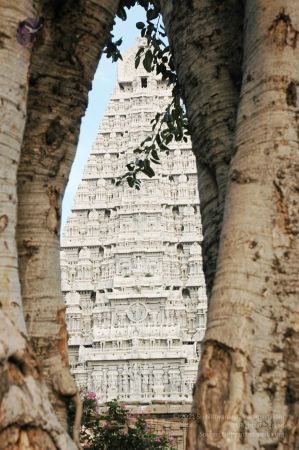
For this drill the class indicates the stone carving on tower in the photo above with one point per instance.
(131, 263)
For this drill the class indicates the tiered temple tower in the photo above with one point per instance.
(131, 260)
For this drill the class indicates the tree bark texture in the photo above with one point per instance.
(27, 419)
(14, 63)
(206, 42)
(63, 63)
(248, 391)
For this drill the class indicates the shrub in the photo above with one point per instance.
(117, 429)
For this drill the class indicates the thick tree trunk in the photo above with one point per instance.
(248, 392)
(27, 419)
(14, 63)
(206, 41)
(63, 63)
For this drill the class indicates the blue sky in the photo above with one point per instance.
(102, 87)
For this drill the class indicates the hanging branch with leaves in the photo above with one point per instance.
(156, 57)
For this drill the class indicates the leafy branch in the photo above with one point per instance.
(156, 57)
(115, 427)
(168, 126)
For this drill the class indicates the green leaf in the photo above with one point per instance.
(148, 59)
(115, 57)
(121, 13)
(148, 139)
(168, 139)
(143, 3)
(130, 181)
(140, 51)
(155, 161)
(148, 170)
(140, 25)
(137, 61)
(164, 148)
(152, 14)
(155, 155)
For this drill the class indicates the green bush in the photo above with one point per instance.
(117, 429)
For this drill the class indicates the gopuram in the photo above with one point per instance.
(131, 264)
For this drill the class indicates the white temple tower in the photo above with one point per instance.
(131, 261)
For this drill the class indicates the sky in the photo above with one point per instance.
(102, 88)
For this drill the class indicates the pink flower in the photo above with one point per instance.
(107, 424)
(171, 439)
(88, 432)
(157, 439)
(91, 395)
(131, 419)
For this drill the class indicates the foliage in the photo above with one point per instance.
(156, 57)
(117, 429)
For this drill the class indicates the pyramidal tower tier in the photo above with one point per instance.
(131, 260)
